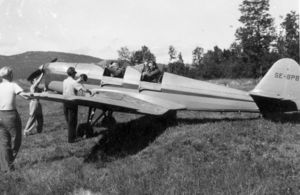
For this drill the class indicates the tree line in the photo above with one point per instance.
(257, 46)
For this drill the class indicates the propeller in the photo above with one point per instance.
(39, 71)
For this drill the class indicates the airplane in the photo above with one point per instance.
(277, 92)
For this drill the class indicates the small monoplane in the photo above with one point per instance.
(278, 92)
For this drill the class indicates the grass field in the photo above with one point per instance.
(200, 153)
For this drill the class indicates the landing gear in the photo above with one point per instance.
(105, 120)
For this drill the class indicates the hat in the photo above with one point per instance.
(71, 71)
(5, 71)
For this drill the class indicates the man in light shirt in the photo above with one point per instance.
(10, 122)
(71, 88)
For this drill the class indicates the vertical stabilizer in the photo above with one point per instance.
(279, 89)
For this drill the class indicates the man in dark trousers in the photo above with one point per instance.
(71, 88)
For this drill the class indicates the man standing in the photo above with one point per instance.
(71, 88)
(35, 109)
(10, 122)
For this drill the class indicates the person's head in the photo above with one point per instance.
(71, 72)
(83, 77)
(115, 64)
(6, 73)
(152, 65)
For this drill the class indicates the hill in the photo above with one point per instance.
(25, 63)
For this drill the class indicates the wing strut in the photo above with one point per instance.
(105, 119)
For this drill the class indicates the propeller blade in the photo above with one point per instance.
(38, 72)
(34, 75)
(54, 60)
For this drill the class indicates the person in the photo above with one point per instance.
(116, 70)
(71, 88)
(35, 108)
(10, 122)
(151, 72)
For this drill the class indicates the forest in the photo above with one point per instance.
(258, 44)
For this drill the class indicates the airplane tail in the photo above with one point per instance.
(279, 90)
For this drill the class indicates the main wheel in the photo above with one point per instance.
(108, 121)
(85, 129)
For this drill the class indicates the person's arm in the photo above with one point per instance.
(36, 83)
(153, 73)
(119, 72)
(19, 91)
(24, 95)
(79, 86)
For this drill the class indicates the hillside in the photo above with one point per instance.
(25, 63)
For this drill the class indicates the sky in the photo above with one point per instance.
(101, 27)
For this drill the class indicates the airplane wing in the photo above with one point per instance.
(117, 101)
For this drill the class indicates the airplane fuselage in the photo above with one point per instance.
(190, 93)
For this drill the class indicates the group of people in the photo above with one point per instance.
(10, 122)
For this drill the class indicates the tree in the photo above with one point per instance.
(142, 55)
(180, 59)
(256, 34)
(288, 41)
(147, 55)
(172, 53)
(197, 55)
(124, 54)
(177, 68)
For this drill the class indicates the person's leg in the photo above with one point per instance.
(10, 133)
(39, 118)
(72, 123)
(17, 134)
(6, 156)
(33, 105)
(30, 124)
(66, 112)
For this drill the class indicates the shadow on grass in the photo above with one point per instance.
(284, 117)
(290, 118)
(131, 137)
(192, 121)
(128, 138)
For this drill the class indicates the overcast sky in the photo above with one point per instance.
(101, 27)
